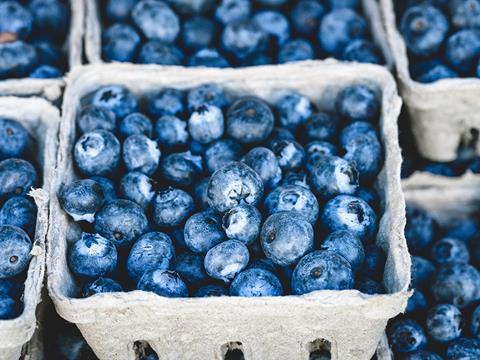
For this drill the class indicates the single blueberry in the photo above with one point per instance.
(463, 348)
(121, 221)
(137, 187)
(295, 50)
(320, 126)
(15, 140)
(242, 223)
(100, 286)
(322, 270)
(156, 20)
(17, 177)
(449, 250)
(157, 52)
(363, 51)
(207, 94)
(417, 303)
(16, 247)
(369, 195)
(167, 101)
(206, 124)
(232, 185)
(181, 169)
(120, 42)
(135, 124)
(275, 24)
(198, 33)
(171, 132)
(81, 199)
(92, 256)
(116, 98)
(208, 58)
(444, 323)
(406, 335)
(346, 244)
(51, 19)
(358, 103)
(190, 267)
(420, 229)
(119, 10)
(171, 207)
(203, 231)
(221, 153)
(462, 51)
(243, 39)
(230, 11)
(45, 72)
(295, 178)
(165, 283)
(422, 355)
(211, 290)
(422, 271)
(141, 154)
(369, 286)
(16, 19)
(264, 162)
(321, 148)
(256, 282)
(475, 322)
(306, 15)
(189, 7)
(178, 237)
(9, 308)
(290, 154)
(17, 59)
(336, 4)
(293, 110)
(465, 13)
(272, 3)
(49, 54)
(438, 72)
(12, 287)
(200, 193)
(278, 134)
(374, 263)
(465, 229)
(225, 260)
(95, 118)
(108, 188)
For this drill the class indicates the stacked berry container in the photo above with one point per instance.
(116, 324)
(41, 120)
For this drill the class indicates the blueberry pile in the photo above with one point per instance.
(442, 319)
(223, 33)
(18, 213)
(31, 36)
(442, 38)
(212, 199)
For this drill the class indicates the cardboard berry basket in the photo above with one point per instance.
(348, 323)
(93, 32)
(51, 89)
(444, 113)
(41, 119)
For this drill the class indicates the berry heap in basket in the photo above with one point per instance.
(18, 213)
(225, 195)
(442, 319)
(235, 33)
(442, 38)
(31, 36)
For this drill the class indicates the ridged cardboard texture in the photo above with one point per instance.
(267, 328)
(444, 113)
(41, 119)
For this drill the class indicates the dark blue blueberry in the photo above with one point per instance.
(419, 230)
(211, 290)
(422, 271)
(120, 42)
(178, 237)
(457, 284)
(444, 323)
(207, 94)
(320, 126)
(119, 10)
(17, 59)
(14, 138)
(424, 28)
(262, 59)
(156, 20)
(157, 52)
(369, 195)
(225, 260)
(369, 286)
(108, 188)
(167, 101)
(233, 185)
(272, 3)
(15, 248)
(100, 286)
(406, 336)
(137, 187)
(242, 223)
(336, 4)
(200, 194)
(121, 221)
(436, 73)
(203, 231)
(275, 24)
(462, 51)
(475, 322)
(256, 282)
(46, 72)
(165, 283)
(206, 124)
(296, 178)
(363, 51)
(92, 256)
(333, 176)
(141, 154)
(465, 229)
(116, 98)
(93, 117)
(12, 287)
(171, 207)
(293, 110)
(221, 153)
(243, 39)
(153, 250)
(290, 154)
(320, 148)
(295, 50)
(347, 245)
(463, 348)
(249, 120)
(81, 199)
(465, 13)
(49, 54)
(198, 33)
(189, 7)
(9, 309)
(97, 153)
(322, 270)
(278, 134)
(417, 303)
(135, 124)
(208, 58)
(15, 19)
(264, 162)
(306, 16)
(339, 28)
(358, 103)
(356, 128)
(374, 263)
(171, 132)
(230, 11)
(286, 237)
(422, 355)
(51, 19)
(181, 169)
(190, 267)
(17, 177)
(449, 250)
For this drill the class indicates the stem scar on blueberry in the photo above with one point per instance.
(271, 237)
(107, 95)
(13, 259)
(316, 272)
(9, 131)
(18, 190)
(251, 112)
(118, 235)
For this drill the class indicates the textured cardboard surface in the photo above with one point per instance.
(41, 119)
(268, 328)
(443, 113)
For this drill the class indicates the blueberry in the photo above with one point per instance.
(314, 148)
(208, 58)
(16, 247)
(264, 162)
(51, 19)
(211, 290)
(17, 59)
(116, 98)
(290, 154)
(347, 245)
(363, 51)
(295, 50)
(171, 132)
(322, 270)
(100, 286)
(203, 231)
(16, 19)
(373, 266)
(225, 260)
(221, 153)
(49, 54)
(278, 134)
(137, 187)
(92, 256)
(230, 11)
(242, 223)
(190, 267)
(120, 42)
(198, 33)
(157, 52)
(206, 124)
(369, 195)
(156, 20)
(95, 118)
(462, 51)
(171, 207)
(152, 251)
(320, 126)
(333, 176)
(121, 221)
(256, 282)
(438, 72)
(45, 72)
(274, 24)
(12, 287)
(81, 199)
(465, 13)
(9, 309)
(272, 3)
(207, 94)
(141, 154)
(417, 303)
(339, 28)
(232, 185)
(369, 286)
(358, 103)
(406, 336)
(356, 129)
(306, 16)
(463, 348)
(295, 178)
(97, 153)
(420, 229)
(293, 110)
(475, 322)
(119, 10)
(243, 39)
(449, 250)
(181, 169)
(167, 101)
(108, 188)
(17, 177)
(465, 229)
(135, 124)
(200, 193)
(422, 271)
(422, 355)
(165, 283)
(178, 237)
(336, 4)
(444, 323)
(188, 7)
(15, 140)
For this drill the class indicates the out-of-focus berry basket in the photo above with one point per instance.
(347, 323)
(42, 120)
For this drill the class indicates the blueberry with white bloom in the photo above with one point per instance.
(181, 169)
(190, 267)
(242, 223)
(14, 138)
(137, 187)
(320, 126)
(135, 124)
(358, 103)
(256, 282)
(444, 323)
(171, 207)
(156, 20)
(290, 154)
(93, 117)
(141, 154)
(19, 211)
(211, 290)
(167, 101)
(348, 245)
(116, 98)
(221, 153)
(207, 94)
(293, 110)
(81, 199)
(100, 286)
(225, 260)
(165, 283)
(171, 132)
(264, 162)
(17, 177)
(108, 188)
(203, 231)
